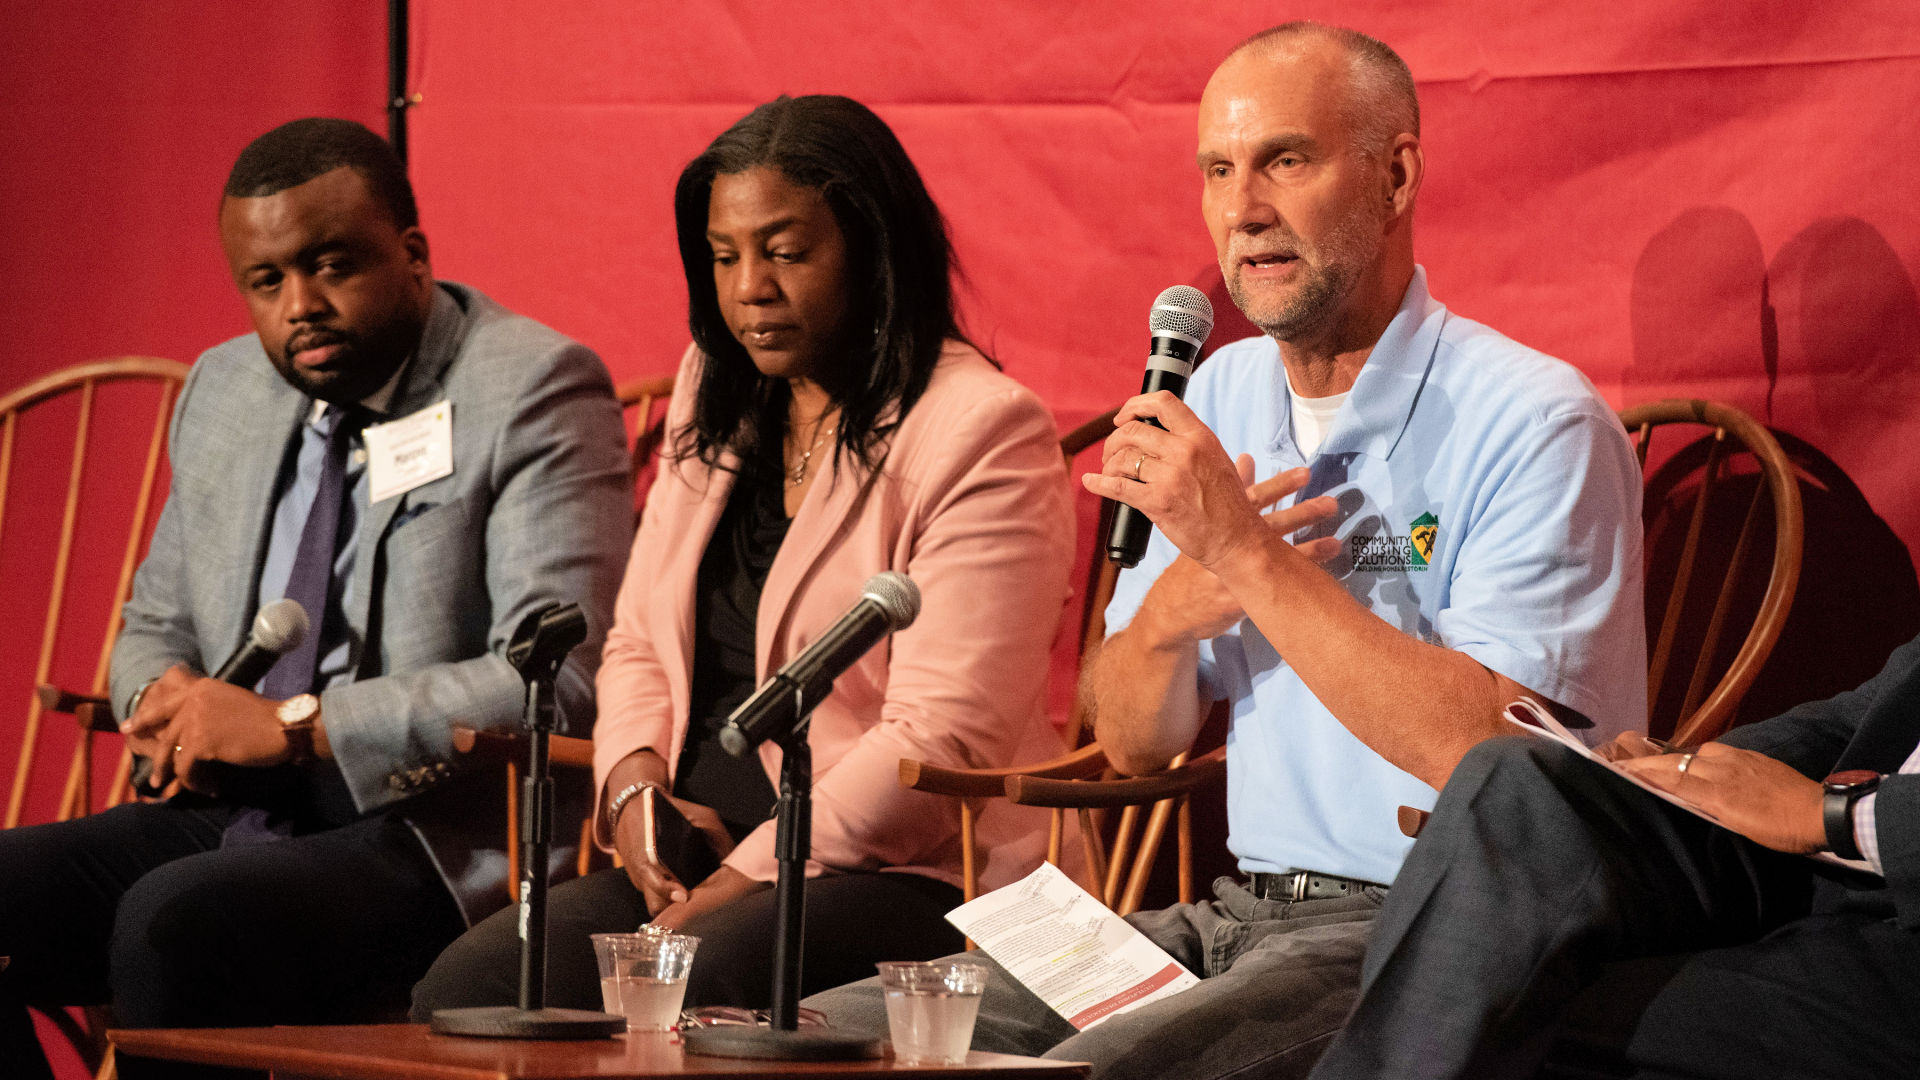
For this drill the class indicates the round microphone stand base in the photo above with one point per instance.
(507, 1022)
(772, 1044)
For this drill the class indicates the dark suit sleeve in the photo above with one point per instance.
(1813, 737)
(1897, 828)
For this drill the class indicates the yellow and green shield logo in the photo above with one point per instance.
(1424, 531)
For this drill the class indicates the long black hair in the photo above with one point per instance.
(899, 280)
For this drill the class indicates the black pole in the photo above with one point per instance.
(397, 76)
(536, 651)
(782, 1039)
(793, 833)
(536, 813)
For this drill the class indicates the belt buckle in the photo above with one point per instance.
(1297, 885)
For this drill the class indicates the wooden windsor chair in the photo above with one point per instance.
(1118, 850)
(106, 504)
(1699, 571)
(1693, 689)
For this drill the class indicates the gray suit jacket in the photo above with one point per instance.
(537, 510)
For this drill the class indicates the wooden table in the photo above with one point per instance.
(411, 1052)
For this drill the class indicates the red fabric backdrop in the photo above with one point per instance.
(120, 123)
(1679, 196)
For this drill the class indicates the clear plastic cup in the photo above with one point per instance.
(643, 976)
(931, 1008)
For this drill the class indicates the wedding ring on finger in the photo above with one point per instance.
(1137, 464)
(1686, 762)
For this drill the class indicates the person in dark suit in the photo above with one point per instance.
(317, 844)
(1553, 912)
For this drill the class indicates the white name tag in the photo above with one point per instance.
(405, 453)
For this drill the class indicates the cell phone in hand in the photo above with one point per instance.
(673, 842)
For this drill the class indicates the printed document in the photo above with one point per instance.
(1068, 948)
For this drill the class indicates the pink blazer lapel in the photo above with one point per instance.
(822, 516)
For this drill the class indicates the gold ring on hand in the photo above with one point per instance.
(1138, 463)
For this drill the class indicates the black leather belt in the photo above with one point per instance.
(1306, 885)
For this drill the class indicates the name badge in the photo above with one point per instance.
(413, 450)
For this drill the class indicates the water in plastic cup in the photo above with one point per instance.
(931, 1008)
(644, 976)
(648, 1004)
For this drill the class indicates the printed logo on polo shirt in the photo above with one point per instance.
(1425, 530)
(1396, 554)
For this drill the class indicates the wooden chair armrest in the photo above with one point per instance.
(93, 713)
(55, 699)
(1130, 791)
(1089, 760)
(570, 752)
(511, 746)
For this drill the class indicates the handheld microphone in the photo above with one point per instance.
(278, 629)
(1180, 321)
(889, 601)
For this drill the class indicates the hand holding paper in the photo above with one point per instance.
(1753, 798)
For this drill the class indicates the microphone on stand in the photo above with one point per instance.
(1180, 320)
(889, 601)
(779, 710)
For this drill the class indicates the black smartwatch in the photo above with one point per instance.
(1843, 790)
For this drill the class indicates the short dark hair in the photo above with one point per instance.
(296, 152)
(899, 279)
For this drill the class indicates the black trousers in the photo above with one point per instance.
(141, 907)
(1550, 905)
(853, 922)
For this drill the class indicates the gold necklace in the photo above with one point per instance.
(797, 474)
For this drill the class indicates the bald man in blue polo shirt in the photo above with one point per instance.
(1457, 524)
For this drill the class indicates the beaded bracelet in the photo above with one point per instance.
(622, 797)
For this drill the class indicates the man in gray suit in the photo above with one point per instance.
(421, 469)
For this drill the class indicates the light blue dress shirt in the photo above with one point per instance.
(339, 652)
(1489, 502)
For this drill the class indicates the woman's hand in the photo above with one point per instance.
(655, 882)
(723, 888)
(658, 884)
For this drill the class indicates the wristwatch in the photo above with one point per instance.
(298, 715)
(1843, 790)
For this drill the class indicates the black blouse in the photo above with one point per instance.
(733, 571)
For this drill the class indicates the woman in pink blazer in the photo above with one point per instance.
(829, 422)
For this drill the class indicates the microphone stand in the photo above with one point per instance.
(782, 1039)
(537, 651)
